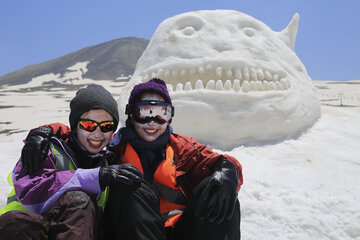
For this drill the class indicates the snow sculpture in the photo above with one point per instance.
(232, 79)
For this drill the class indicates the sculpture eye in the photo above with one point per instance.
(189, 25)
(189, 31)
(249, 31)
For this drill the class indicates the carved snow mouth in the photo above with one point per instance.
(219, 77)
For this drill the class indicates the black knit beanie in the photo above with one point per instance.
(92, 97)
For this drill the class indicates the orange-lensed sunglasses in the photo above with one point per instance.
(91, 125)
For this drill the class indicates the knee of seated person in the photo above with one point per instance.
(13, 218)
(78, 199)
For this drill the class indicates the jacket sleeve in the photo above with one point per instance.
(59, 130)
(209, 160)
(39, 192)
(197, 161)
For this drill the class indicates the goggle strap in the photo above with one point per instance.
(127, 109)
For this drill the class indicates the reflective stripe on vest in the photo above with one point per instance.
(11, 199)
(62, 160)
(172, 200)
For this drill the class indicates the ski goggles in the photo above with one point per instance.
(147, 111)
(91, 125)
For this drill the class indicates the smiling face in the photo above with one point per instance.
(232, 79)
(149, 132)
(94, 141)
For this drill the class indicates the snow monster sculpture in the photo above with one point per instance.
(232, 79)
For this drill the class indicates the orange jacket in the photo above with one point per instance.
(172, 200)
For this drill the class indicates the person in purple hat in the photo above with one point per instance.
(188, 191)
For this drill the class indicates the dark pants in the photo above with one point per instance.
(135, 215)
(74, 216)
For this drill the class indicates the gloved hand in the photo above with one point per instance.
(125, 174)
(36, 148)
(219, 195)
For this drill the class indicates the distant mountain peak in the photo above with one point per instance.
(112, 60)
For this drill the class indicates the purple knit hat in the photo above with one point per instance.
(155, 85)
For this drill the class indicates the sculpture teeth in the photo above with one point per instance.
(236, 85)
(272, 86)
(199, 84)
(268, 75)
(169, 87)
(246, 73)
(253, 74)
(229, 73)
(227, 85)
(260, 75)
(266, 85)
(276, 77)
(252, 86)
(230, 78)
(219, 85)
(259, 86)
(238, 73)
(188, 86)
(246, 86)
(179, 87)
(210, 85)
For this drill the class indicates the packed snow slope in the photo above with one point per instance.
(232, 79)
(302, 188)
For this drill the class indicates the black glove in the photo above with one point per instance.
(125, 174)
(219, 195)
(36, 148)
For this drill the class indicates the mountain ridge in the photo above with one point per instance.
(107, 61)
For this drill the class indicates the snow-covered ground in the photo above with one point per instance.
(305, 187)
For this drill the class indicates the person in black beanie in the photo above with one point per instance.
(64, 195)
(92, 97)
(188, 191)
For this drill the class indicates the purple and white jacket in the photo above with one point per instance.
(40, 191)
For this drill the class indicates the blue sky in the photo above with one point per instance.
(31, 32)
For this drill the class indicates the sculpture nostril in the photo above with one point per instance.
(222, 47)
